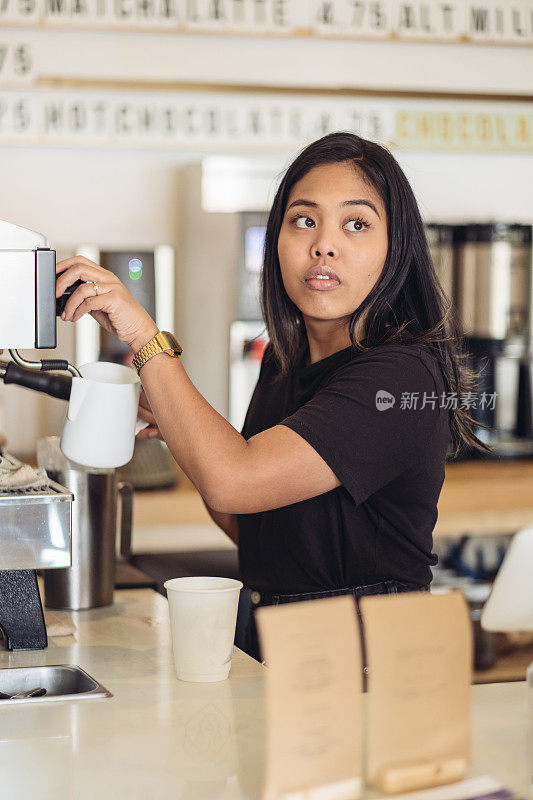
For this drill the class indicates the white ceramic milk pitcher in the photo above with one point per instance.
(99, 428)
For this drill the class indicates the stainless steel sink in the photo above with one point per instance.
(62, 682)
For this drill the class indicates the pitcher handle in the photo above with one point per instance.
(125, 491)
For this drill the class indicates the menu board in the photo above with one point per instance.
(457, 21)
(233, 121)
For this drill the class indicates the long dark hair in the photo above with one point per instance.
(407, 304)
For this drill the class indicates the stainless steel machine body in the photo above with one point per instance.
(35, 528)
(27, 288)
(90, 580)
(34, 524)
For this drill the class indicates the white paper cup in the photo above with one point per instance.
(203, 613)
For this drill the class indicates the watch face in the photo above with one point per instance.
(172, 342)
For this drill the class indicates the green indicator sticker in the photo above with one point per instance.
(136, 269)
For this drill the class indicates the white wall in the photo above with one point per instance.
(479, 187)
(76, 195)
(207, 288)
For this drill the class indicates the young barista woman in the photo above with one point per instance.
(332, 486)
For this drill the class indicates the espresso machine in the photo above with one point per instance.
(494, 296)
(35, 524)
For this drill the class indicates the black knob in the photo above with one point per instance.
(62, 301)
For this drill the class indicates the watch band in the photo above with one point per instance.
(162, 342)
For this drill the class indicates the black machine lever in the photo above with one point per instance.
(21, 613)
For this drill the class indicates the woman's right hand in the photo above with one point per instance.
(144, 412)
(107, 300)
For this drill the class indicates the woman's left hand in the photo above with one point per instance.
(106, 299)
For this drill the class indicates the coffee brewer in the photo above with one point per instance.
(440, 239)
(493, 294)
(35, 524)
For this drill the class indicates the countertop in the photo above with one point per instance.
(158, 737)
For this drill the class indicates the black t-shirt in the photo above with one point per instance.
(388, 456)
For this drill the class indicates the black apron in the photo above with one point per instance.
(258, 599)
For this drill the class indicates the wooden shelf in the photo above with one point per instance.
(181, 505)
(479, 498)
(510, 667)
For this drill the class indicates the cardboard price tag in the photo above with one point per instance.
(313, 699)
(419, 653)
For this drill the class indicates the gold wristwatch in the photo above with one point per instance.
(163, 342)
